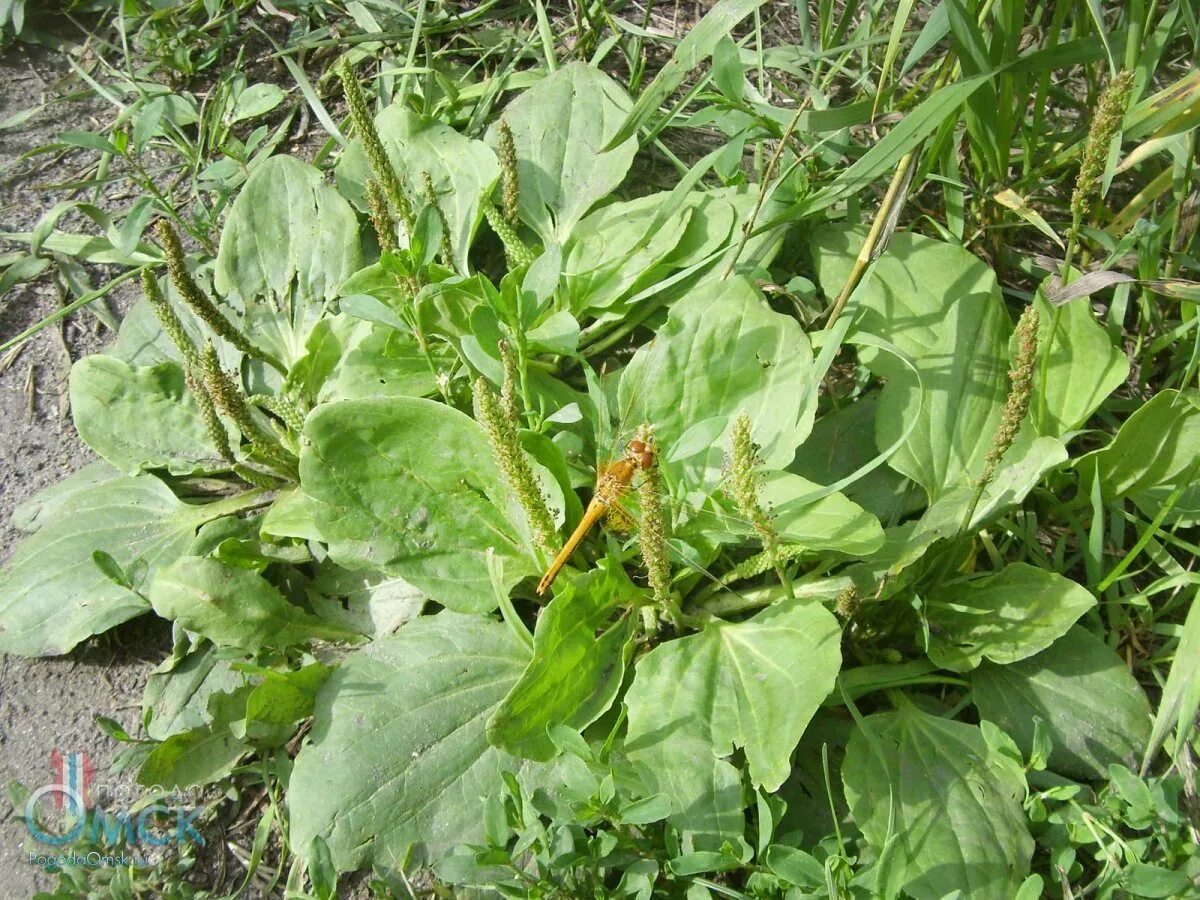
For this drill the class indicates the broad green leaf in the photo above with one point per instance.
(409, 487)
(370, 603)
(843, 441)
(44, 507)
(1181, 694)
(463, 170)
(1084, 367)
(831, 522)
(905, 544)
(52, 594)
(1152, 451)
(722, 351)
(176, 695)
(941, 306)
(398, 757)
(561, 127)
(613, 251)
(627, 249)
(581, 647)
(291, 515)
(751, 685)
(285, 697)
(1003, 616)
(378, 361)
(200, 756)
(1147, 880)
(234, 607)
(1094, 710)
(957, 804)
(289, 236)
(256, 100)
(140, 418)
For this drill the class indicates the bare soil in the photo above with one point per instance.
(48, 704)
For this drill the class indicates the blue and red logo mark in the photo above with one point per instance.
(171, 819)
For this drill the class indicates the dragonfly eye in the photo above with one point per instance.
(637, 448)
(647, 459)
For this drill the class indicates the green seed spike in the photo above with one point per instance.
(746, 487)
(381, 217)
(509, 186)
(208, 412)
(167, 318)
(283, 408)
(199, 303)
(514, 248)
(506, 449)
(228, 397)
(432, 200)
(377, 158)
(510, 385)
(1109, 112)
(254, 477)
(652, 533)
(1016, 406)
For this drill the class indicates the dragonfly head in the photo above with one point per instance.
(640, 453)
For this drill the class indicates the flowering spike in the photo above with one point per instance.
(228, 397)
(652, 535)
(506, 448)
(381, 217)
(510, 385)
(377, 158)
(514, 248)
(510, 195)
(1109, 111)
(746, 487)
(1016, 405)
(281, 407)
(167, 318)
(208, 413)
(199, 303)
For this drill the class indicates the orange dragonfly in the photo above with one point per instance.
(612, 483)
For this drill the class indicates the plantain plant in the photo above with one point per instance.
(338, 455)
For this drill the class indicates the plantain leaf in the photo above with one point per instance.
(140, 417)
(287, 230)
(957, 804)
(752, 685)
(1003, 616)
(561, 127)
(463, 171)
(579, 660)
(398, 756)
(234, 607)
(390, 499)
(1093, 709)
(53, 595)
(941, 306)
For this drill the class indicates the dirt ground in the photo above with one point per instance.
(48, 704)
